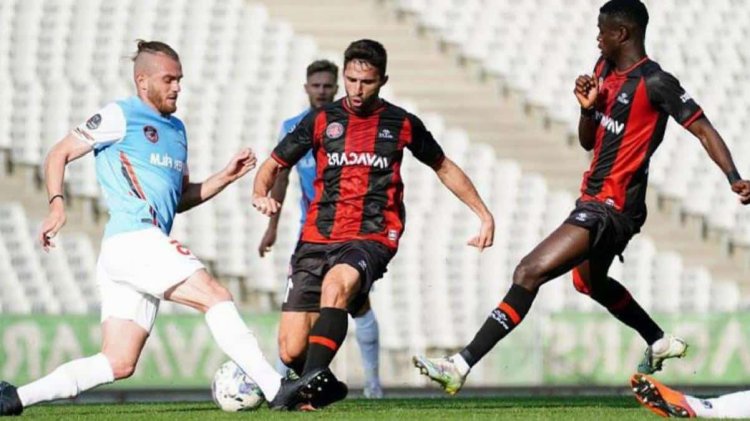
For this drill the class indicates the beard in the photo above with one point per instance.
(161, 102)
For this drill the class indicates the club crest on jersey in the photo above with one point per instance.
(151, 134)
(94, 122)
(334, 130)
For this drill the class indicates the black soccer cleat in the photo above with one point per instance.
(295, 393)
(10, 403)
(336, 392)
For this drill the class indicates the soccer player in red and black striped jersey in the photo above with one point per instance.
(356, 219)
(625, 107)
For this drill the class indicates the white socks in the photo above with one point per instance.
(238, 342)
(368, 338)
(68, 380)
(461, 364)
(733, 405)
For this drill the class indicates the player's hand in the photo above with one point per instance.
(742, 188)
(50, 226)
(586, 90)
(268, 240)
(240, 164)
(266, 205)
(486, 234)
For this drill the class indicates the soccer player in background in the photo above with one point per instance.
(625, 106)
(670, 403)
(321, 89)
(141, 163)
(356, 218)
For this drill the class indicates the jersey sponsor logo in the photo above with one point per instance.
(369, 159)
(166, 161)
(94, 122)
(385, 134)
(685, 97)
(623, 98)
(151, 134)
(610, 124)
(334, 130)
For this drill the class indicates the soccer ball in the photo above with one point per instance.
(234, 391)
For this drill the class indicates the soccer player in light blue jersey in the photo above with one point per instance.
(321, 88)
(141, 163)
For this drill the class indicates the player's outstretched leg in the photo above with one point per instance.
(202, 292)
(560, 252)
(659, 398)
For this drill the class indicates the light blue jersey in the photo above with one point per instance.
(305, 167)
(140, 163)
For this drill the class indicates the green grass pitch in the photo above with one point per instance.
(527, 408)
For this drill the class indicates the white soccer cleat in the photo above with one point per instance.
(442, 370)
(667, 347)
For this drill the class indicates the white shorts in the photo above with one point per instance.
(134, 271)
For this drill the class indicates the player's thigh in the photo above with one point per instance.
(122, 343)
(148, 260)
(294, 329)
(356, 266)
(200, 291)
(564, 249)
(340, 285)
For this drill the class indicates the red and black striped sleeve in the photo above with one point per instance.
(666, 93)
(423, 145)
(296, 143)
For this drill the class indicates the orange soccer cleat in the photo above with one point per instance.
(659, 398)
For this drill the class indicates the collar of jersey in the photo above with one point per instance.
(373, 112)
(150, 110)
(630, 69)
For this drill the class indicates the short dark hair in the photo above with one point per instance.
(368, 51)
(155, 47)
(632, 11)
(318, 66)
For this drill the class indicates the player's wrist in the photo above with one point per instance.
(733, 176)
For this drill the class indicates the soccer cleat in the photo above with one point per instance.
(336, 391)
(660, 399)
(667, 347)
(10, 403)
(441, 370)
(297, 394)
(373, 390)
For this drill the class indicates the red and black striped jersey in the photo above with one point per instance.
(632, 110)
(358, 186)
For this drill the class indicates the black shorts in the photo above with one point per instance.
(312, 261)
(610, 230)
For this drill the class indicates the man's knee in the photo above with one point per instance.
(122, 367)
(528, 274)
(338, 286)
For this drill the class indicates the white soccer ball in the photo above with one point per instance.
(234, 391)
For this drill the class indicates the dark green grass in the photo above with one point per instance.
(528, 408)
